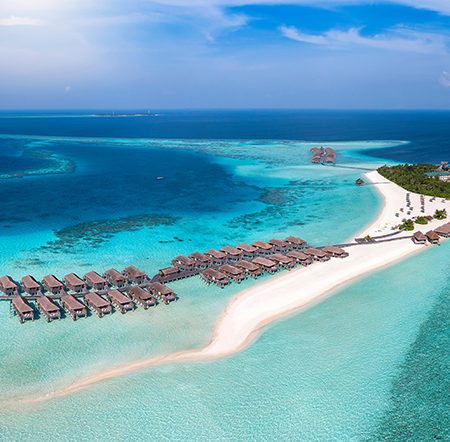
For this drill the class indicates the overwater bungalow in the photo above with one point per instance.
(171, 273)
(443, 230)
(97, 304)
(30, 285)
(53, 284)
(135, 275)
(23, 310)
(201, 260)
(115, 278)
(217, 257)
(419, 238)
(8, 286)
(183, 263)
(162, 292)
(296, 243)
(142, 297)
(250, 268)
(279, 245)
(263, 248)
(48, 308)
(73, 306)
(330, 155)
(235, 273)
(317, 254)
(216, 277)
(432, 237)
(122, 302)
(266, 264)
(335, 252)
(285, 261)
(360, 182)
(248, 251)
(233, 253)
(95, 281)
(300, 257)
(75, 283)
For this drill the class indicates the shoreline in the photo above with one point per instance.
(251, 310)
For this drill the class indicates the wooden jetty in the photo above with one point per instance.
(266, 264)
(23, 310)
(8, 286)
(250, 268)
(73, 306)
(215, 277)
(75, 283)
(48, 308)
(95, 281)
(285, 261)
(142, 297)
(335, 252)
(217, 257)
(263, 248)
(97, 304)
(53, 285)
(300, 257)
(235, 273)
(162, 292)
(183, 263)
(30, 285)
(317, 254)
(201, 260)
(115, 278)
(296, 243)
(248, 251)
(233, 254)
(134, 275)
(120, 301)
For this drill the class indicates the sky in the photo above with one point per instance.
(158, 54)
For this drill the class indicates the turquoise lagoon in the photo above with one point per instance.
(325, 374)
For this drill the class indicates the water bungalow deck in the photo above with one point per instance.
(99, 305)
(233, 254)
(75, 283)
(248, 251)
(317, 254)
(250, 268)
(115, 278)
(335, 252)
(8, 286)
(142, 297)
(285, 261)
(235, 273)
(73, 306)
(135, 275)
(30, 285)
(162, 292)
(266, 264)
(95, 281)
(216, 277)
(183, 263)
(53, 285)
(300, 257)
(48, 308)
(120, 301)
(263, 248)
(23, 310)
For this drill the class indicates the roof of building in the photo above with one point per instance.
(420, 236)
(334, 250)
(73, 280)
(96, 300)
(262, 245)
(134, 272)
(7, 282)
(295, 240)
(298, 255)
(160, 288)
(315, 252)
(184, 260)
(213, 273)
(139, 293)
(247, 265)
(197, 256)
(215, 254)
(94, 278)
(264, 262)
(118, 296)
(47, 304)
(21, 305)
(433, 236)
(278, 242)
(229, 250)
(71, 302)
(227, 268)
(29, 283)
(114, 275)
(246, 248)
(169, 271)
(52, 282)
(278, 257)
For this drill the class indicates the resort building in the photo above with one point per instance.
(419, 238)
(266, 264)
(279, 245)
(335, 252)
(217, 257)
(250, 268)
(99, 305)
(216, 277)
(73, 307)
(8, 286)
(23, 310)
(170, 274)
(235, 273)
(95, 281)
(317, 254)
(115, 278)
(200, 259)
(75, 283)
(432, 237)
(142, 297)
(263, 248)
(183, 263)
(30, 285)
(285, 261)
(443, 230)
(248, 251)
(120, 301)
(135, 275)
(48, 308)
(162, 292)
(233, 254)
(295, 243)
(53, 285)
(300, 257)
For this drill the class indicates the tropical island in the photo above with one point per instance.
(425, 179)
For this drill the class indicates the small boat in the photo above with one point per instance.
(159, 178)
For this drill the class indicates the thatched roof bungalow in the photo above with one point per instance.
(48, 308)
(75, 283)
(216, 277)
(250, 268)
(8, 286)
(115, 278)
(94, 280)
(317, 254)
(52, 284)
(142, 297)
(335, 252)
(98, 304)
(122, 302)
(23, 310)
(266, 264)
(135, 275)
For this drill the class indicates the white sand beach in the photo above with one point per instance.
(249, 311)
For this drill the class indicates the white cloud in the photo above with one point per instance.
(398, 39)
(15, 20)
(444, 79)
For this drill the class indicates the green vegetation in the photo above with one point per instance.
(413, 177)
(421, 220)
(408, 224)
(440, 214)
(367, 238)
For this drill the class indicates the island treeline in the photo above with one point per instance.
(413, 177)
